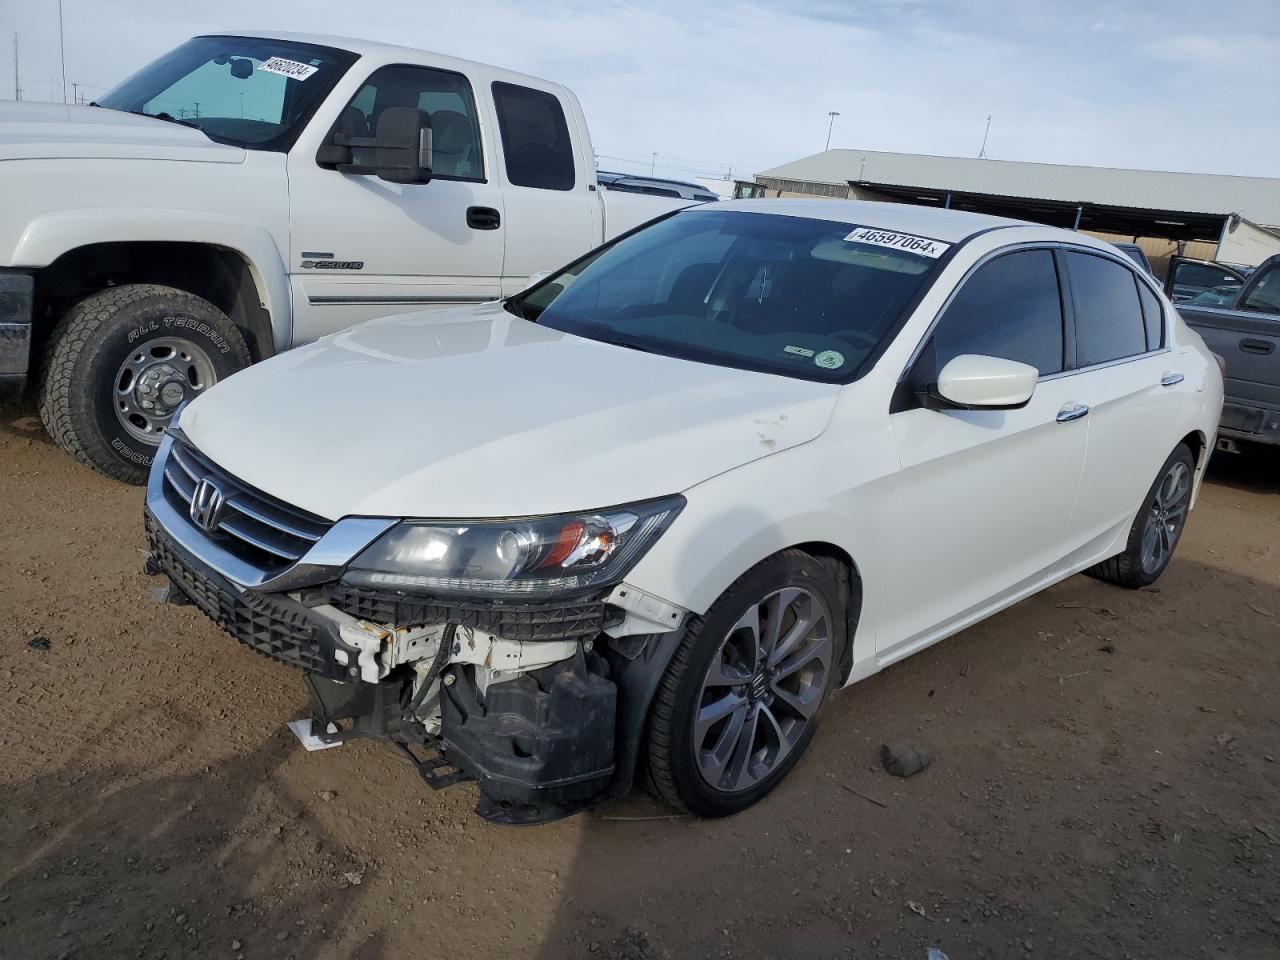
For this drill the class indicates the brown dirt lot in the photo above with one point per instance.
(1105, 783)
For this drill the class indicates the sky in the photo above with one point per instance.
(742, 86)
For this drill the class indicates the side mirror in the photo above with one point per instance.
(400, 152)
(973, 382)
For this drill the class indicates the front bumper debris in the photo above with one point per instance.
(545, 740)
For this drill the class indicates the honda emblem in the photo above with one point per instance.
(206, 505)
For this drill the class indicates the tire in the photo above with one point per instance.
(1135, 567)
(112, 347)
(682, 773)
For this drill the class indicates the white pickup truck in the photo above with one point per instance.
(246, 194)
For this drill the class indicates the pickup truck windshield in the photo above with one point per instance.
(246, 91)
(757, 291)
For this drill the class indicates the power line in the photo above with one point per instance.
(62, 53)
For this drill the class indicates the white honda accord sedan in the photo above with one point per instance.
(641, 519)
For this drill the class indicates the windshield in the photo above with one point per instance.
(242, 90)
(803, 298)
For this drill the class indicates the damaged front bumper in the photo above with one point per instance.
(542, 703)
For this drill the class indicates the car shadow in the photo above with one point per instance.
(106, 858)
(1093, 793)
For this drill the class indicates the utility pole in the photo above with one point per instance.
(982, 154)
(75, 92)
(17, 83)
(830, 123)
(62, 53)
(653, 164)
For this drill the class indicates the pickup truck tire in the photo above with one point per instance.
(1156, 529)
(698, 765)
(120, 361)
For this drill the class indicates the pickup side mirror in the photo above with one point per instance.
(399, 153)
(537, 278)
(974, 382)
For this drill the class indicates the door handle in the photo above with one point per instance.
(1072, 411)
(483, 218)
(1249, 345)
(1170, 378)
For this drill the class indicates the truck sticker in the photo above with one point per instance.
(288, 68)
(905, 242)
(798, 351)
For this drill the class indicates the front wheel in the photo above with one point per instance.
(121, 362)
(739, 702)
(1157, 528)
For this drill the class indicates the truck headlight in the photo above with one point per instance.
(507, 558)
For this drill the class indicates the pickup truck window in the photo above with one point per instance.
(779, 294)
(535, 138)
(444, 96)
(1265, 294)
(1009, 308)
(1109, 322)
(246, 91)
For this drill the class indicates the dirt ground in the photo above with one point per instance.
(1105, 783)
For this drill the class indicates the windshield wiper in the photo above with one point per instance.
(628, 344)
(167, 117)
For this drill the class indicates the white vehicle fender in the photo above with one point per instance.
(723, 531)
(50, 236)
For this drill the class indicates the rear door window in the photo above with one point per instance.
(1010, 308)
(535, 138)
(1109, 320)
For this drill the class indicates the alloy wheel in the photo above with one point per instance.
(1166, 515)
(762, 689)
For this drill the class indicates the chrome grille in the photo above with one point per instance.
(253, 526)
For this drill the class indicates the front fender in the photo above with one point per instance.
(52, 235)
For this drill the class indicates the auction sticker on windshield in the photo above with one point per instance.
(923, 246)
(288, 68)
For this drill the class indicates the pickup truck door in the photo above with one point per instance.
(1245, 332)
(361, 247)
(553, 209)
(1189, 278)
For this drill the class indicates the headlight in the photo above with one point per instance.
(536, 557)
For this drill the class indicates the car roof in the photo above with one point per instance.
(950, 226)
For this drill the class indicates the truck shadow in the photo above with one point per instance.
(22, 419)
(1256, 468)
(106, 859)
(1092, 780)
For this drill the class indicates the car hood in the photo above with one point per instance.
(475, 413)
(47, 131)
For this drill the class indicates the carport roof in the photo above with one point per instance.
(1254, 198)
